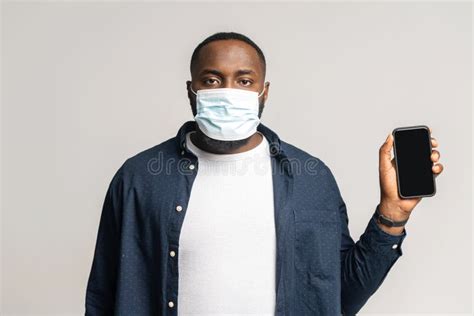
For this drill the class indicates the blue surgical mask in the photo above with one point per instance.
(227, 113)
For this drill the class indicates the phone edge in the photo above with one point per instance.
(396, 162)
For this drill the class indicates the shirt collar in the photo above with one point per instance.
(273, 139)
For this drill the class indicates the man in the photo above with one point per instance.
(259, 226)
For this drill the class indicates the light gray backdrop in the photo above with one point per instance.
(87, 85)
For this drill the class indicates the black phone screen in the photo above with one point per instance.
(412, 149)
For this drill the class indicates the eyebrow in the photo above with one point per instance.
(218, 73)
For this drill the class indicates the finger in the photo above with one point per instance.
(385, 153)
(437, 168)
(431, 131)
(434, 142)
(435, 155)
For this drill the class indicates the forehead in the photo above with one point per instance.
(228, 56)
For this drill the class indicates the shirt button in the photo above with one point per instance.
(395, 246)
(172, 253)
(179, 208)
(170, 304)
(191, 166)
(182, 152)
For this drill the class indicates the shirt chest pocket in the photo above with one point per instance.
(317, 243)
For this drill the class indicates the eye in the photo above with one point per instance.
(246, 82)
(210, 81)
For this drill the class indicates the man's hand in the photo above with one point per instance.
(391, 205)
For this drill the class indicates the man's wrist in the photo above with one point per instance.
(395, 214)
(395, 231)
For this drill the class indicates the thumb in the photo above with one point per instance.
(385, 153)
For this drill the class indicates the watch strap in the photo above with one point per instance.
(387, 221)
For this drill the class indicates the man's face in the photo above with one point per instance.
(227, 64)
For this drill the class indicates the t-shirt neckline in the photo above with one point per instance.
(258, 150)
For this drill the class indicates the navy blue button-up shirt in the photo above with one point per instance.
(320, 270)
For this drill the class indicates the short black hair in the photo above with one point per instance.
(228, 36)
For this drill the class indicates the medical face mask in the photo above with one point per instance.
(227, 113)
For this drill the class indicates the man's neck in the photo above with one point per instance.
(253, 142)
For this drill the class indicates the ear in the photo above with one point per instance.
(191, 97)
(188, 86)
(265, 94)
(190, 93)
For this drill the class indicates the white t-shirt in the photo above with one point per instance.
(227, 246)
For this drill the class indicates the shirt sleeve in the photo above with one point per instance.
(364, 264)
(101, 286)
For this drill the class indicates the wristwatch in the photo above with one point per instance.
(387, 221)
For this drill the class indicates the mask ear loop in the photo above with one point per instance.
(262, 91)
(192, 90)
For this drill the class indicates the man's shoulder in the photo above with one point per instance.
(165, 148)
(152, 157)
(308, 165)
(295, 153)
(311, 172)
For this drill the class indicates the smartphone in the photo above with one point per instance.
(412, 151)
